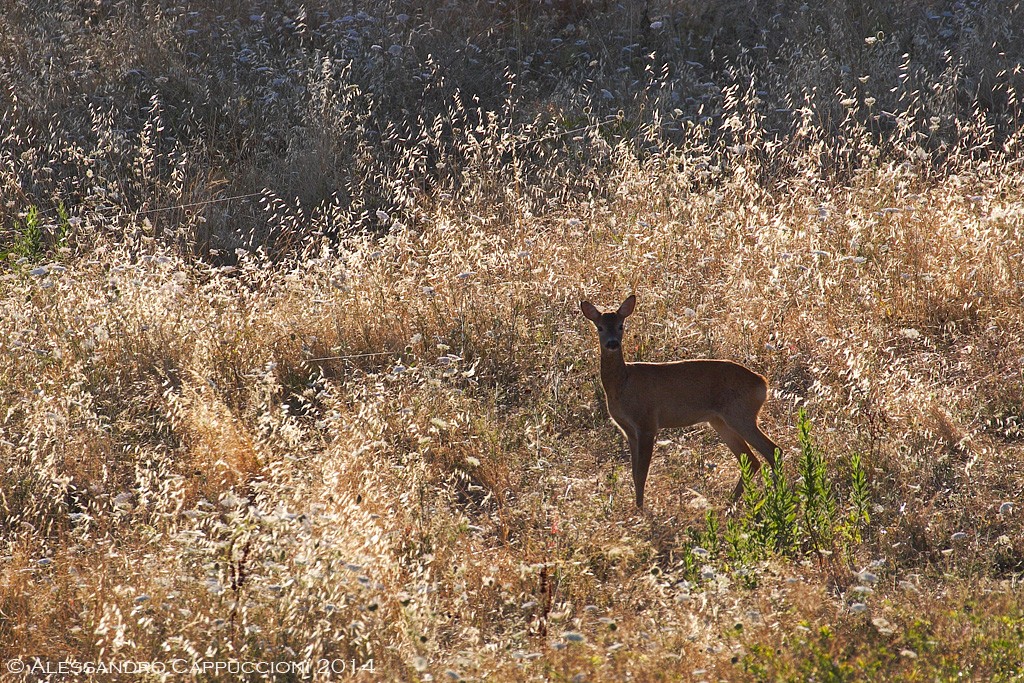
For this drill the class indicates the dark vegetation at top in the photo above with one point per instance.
(223, 125)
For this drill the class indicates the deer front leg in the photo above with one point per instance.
(634, 447)
(641, 462)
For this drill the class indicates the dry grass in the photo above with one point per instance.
(368, 425)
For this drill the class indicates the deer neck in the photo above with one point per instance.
(613, 372)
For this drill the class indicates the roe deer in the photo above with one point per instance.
(645, 397)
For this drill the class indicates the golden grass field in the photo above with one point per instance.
(365, 429)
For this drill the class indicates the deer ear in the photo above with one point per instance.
(626, 309)
(589, 311)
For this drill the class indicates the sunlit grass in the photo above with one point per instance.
(364, 422)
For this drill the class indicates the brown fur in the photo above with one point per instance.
(643, 398)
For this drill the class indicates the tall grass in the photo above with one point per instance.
(292, 367)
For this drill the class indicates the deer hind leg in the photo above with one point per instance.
(751, 432)
(641, 462)
(739, 447)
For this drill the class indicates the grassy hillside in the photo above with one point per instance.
(293, 369)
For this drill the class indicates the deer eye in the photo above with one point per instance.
(620, 328)
(600, 328)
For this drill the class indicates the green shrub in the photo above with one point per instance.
(779, 517)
